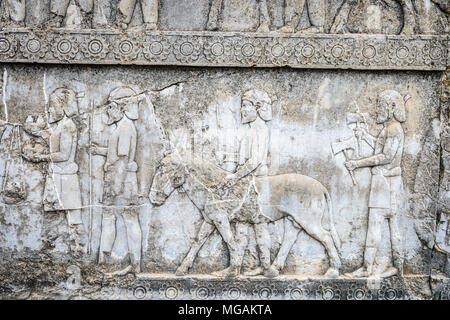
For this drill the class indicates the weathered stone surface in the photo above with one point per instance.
(139, 160)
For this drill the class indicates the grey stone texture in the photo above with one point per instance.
(224, 149)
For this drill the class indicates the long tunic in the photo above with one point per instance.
(62, 187)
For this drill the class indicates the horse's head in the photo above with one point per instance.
(170, 174)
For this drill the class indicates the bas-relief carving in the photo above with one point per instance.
(386, 190)
(12, 13)
(62, 192)
(248, 197)
(244, 195)
(120, 192)
(233, 197)
(238, 189)
(405, 16)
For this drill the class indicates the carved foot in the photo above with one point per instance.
(102, 257)
(120, 272)
(230, 272)
(55, 21)
(150, 26)
(272, 272)
(144, 27)
(264, 28)
(212, 26)
(407, 31)
(389, 272)
(332, 273)
(181, 271)
(359, 273)
(255, 272)
(310, 30)
(286, 29)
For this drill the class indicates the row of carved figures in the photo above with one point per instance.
(353, 16)
(243, 195)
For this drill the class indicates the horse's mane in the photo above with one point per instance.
(200, 163)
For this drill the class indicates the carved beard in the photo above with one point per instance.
(54, 115)
(114, 116)
(265, 114)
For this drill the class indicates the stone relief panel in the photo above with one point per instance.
(224, 149)
(281, 178)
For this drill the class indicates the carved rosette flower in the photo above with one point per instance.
(33, 47)
(126, 48)
(248, 50)
(95, 47)
(307, 52)
(402, 55)
(328, 292)
(298, 292)
(142, 292)
(338, 52)
(265, 291)
(218, 50)
(203, 292)
(234, 291)
(8, 45)
(433, 52)
(187, 49)
(387, 293)
(65, 48)
(156, 48)
(171, 290)
(356, 292)
(277, 52)
(369, 53)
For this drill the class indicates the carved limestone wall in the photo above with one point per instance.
(224, 149)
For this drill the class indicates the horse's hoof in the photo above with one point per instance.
(227, 273)
(180, 273)
(332, 273)
(255, 272)
(272, 272)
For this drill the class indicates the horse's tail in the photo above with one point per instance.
(334, 234)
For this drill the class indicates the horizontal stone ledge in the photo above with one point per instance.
(225, 49)
(154, 287)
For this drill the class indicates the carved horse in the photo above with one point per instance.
(302, 199)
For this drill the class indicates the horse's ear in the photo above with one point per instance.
(167, 152)
(170, 139)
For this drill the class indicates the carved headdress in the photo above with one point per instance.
(261, 101)
(121, 96)
(64, 101)
(255, 95)
(395, 103)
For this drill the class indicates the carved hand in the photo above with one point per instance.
(263, 28)
(230, 180)
(106, 166)
(93, 149)
(351, 165)
(141, 198)
(35, 157)
(360, 133)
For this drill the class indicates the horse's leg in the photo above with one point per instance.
(291, 232)
(314, 228)
(222, 224)
(264, 244)
(241, 236)
(203, 234)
